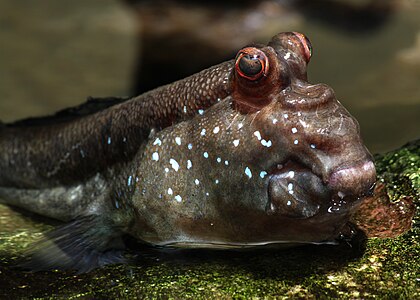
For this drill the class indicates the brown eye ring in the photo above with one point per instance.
(251, 63)
(307, 46)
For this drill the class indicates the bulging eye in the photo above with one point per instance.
(306, 44)
(251, 63)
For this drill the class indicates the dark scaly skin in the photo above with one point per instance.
(273, 159)
(80, 146)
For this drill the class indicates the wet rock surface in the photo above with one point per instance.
(358, 269)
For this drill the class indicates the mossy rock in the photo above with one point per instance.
(376, 268)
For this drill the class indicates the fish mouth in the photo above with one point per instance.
(296, 191)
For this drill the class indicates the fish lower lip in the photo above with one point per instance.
(356, 179)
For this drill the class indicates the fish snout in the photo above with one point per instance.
(357, 179)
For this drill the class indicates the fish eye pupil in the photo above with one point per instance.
(250, 65)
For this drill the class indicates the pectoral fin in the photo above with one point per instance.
(84, 244)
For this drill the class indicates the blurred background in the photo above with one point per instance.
(55, 53)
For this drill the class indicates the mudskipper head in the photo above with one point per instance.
(316, 144)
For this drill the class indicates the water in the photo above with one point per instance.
(54, 54)
(373, 76)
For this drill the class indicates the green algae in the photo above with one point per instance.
(376, 268)
(400, 170)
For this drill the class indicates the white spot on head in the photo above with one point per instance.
(155, 156)
(236, 143)
(200, 111)
(294, 130)
(197, 182)
(166, 170)
(203, 132)
(174, 164)
(207, 193)
(295, 142)
(189, 164)
(109, 140)
(304, 124)
(285, 116)
(313, 146)
(216, 181)
(289, 203)
(206, 155)
(178, 140)
(178, 198)
(275, 121)
(287, 55)
(170, 192)
(258, 135)
(263, 174)
(226, 162)
(219, 160)
(248, 172)
(157, 142)
(266, 143)
(189, 146)
(216, 129)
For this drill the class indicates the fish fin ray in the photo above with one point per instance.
(83, 245)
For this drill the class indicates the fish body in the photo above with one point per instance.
(246, 153)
